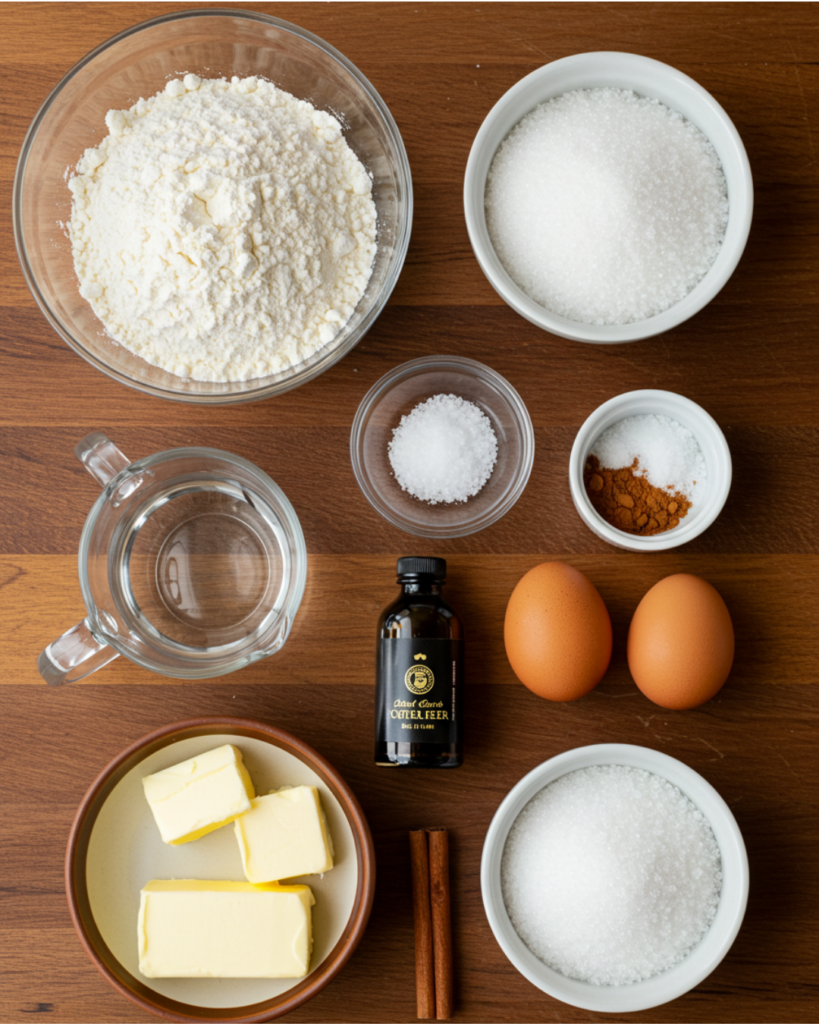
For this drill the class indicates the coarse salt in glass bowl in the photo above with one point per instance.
(396, 395)
(213, 43)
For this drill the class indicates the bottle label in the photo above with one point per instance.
(419, 690)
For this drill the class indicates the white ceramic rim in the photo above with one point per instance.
(460, 364)
(648, 77)
(710, 438)
(703, 958)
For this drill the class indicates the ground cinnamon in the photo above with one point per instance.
(629, 502)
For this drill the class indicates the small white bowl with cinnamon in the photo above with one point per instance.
(672, 476)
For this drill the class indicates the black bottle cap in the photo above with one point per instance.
(417, 566)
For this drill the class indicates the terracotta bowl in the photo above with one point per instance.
(114, 848)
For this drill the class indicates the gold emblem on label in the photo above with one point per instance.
(419, 679)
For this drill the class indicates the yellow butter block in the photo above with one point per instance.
(284, 835)
(200, 929)
(199, 795)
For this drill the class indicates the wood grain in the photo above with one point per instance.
(749, 359)
(335, 625)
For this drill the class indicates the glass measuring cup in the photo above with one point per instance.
(192, 563)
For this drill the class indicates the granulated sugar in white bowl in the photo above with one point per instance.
(607, 183)
(667, 453)
(674, 441)
(606, 207)
(623, 844)
(611, 875)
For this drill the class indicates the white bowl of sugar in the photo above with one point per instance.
(679, 448)
(608, 197)
(642, 862)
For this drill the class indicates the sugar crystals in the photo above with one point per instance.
(644, 473)
(611, 875)
(606, 207)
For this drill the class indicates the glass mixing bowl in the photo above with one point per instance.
(212, 44)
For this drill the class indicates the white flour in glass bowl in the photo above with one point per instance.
(223, 230)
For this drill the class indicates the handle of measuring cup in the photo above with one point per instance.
(78, 653)
(101, 457)
(73, 656)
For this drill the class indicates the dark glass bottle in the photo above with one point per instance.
(419, 673)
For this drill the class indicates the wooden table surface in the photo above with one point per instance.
(750, 358)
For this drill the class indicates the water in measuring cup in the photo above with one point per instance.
(201, 564)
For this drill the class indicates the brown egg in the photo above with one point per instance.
(681, 642)
(557, 632)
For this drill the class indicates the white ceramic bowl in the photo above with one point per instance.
(649, 78)
(700, 962)
(714, 491)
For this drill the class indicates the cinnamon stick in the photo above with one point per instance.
(441, 920)
(424, 958)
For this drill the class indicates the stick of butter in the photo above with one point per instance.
(199, 795)
(284, 835)
(200, 929)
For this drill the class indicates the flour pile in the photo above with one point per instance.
(223, 230)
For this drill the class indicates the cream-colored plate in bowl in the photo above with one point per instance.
(115, 848)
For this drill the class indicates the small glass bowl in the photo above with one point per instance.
(212, 43)
(397, 394)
